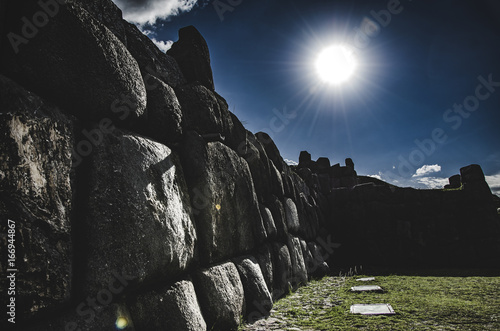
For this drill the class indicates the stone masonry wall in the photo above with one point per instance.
(139, 200)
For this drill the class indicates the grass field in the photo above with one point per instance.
(434, 300)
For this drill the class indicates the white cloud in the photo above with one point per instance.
(376, 176)
(148, 11)
(494, 183)
(432, 182)
(162, 45)
(427, 169)
(291, 162)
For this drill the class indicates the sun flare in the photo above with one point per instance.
(336, 64)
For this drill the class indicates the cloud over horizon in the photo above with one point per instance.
(427, 169)
(148, 11)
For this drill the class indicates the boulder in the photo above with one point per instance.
(172, 308)
(271, 150)
(152, 62)
(279, 217)
(106, 12)
(202, 111)
(319, 268)
(221, 296)
(225, 204)
(299, 271)
(257, 296)
(192, 54)
(77, 63)
(472, 177)
(292, 217)
(276, 181)
(282, 271)
(265, 259)
(267, 219)
(164, 113)
(137, 219)
(35, 199)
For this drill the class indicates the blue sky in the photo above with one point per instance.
(423, 102)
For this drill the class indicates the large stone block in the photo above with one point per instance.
(265, 259)
(152, 62)
(173, 308)
(257, 296)
(106, 12)
(192, 54)
(35, 200)
(299, 271)
(74, 61)
(221, 296)
(225, 204)
(164, 121)
(282, 270)
(292, 216)
(138, 219)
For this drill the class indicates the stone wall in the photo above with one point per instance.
(139, 200)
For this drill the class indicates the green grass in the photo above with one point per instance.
(420, 302)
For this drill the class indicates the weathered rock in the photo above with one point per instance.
(35, 199)
(319, 268)
(106, 12)
(172, 308)
(224, 201)
(472, 177)
(202, 110)
(77, 63)
(192, 54)
(221, 296)
(88, 317)
(271, 150)
(138, 207)
(164, 113)
(279, 217)
(292, 217)
(282, 271)
(304, 159)
(257, 296)
(152, 62)
(299, 271)
(265, 259)
(267, 219)
(276, 181)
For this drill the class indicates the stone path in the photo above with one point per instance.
(323, 299)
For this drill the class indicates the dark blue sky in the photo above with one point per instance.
(418, 66)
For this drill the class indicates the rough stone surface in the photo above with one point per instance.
(292, 217)
(319, 268)
(224, 201)
(78, 63)
(108, 14)
(174, 308)
(137, 207)
(279, 217)
(282, 270)
(272, 151)
(265, 259)
(257, 296)
(268, 221)
(164, 113)
(221, 296)
(299, 271)
(35, 194)
(191, 52)
(152, 61)
(202, 110)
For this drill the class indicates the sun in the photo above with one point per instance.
(336, 64)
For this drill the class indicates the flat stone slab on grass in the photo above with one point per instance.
(372, 309)
(366, 288)
(367, 279)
